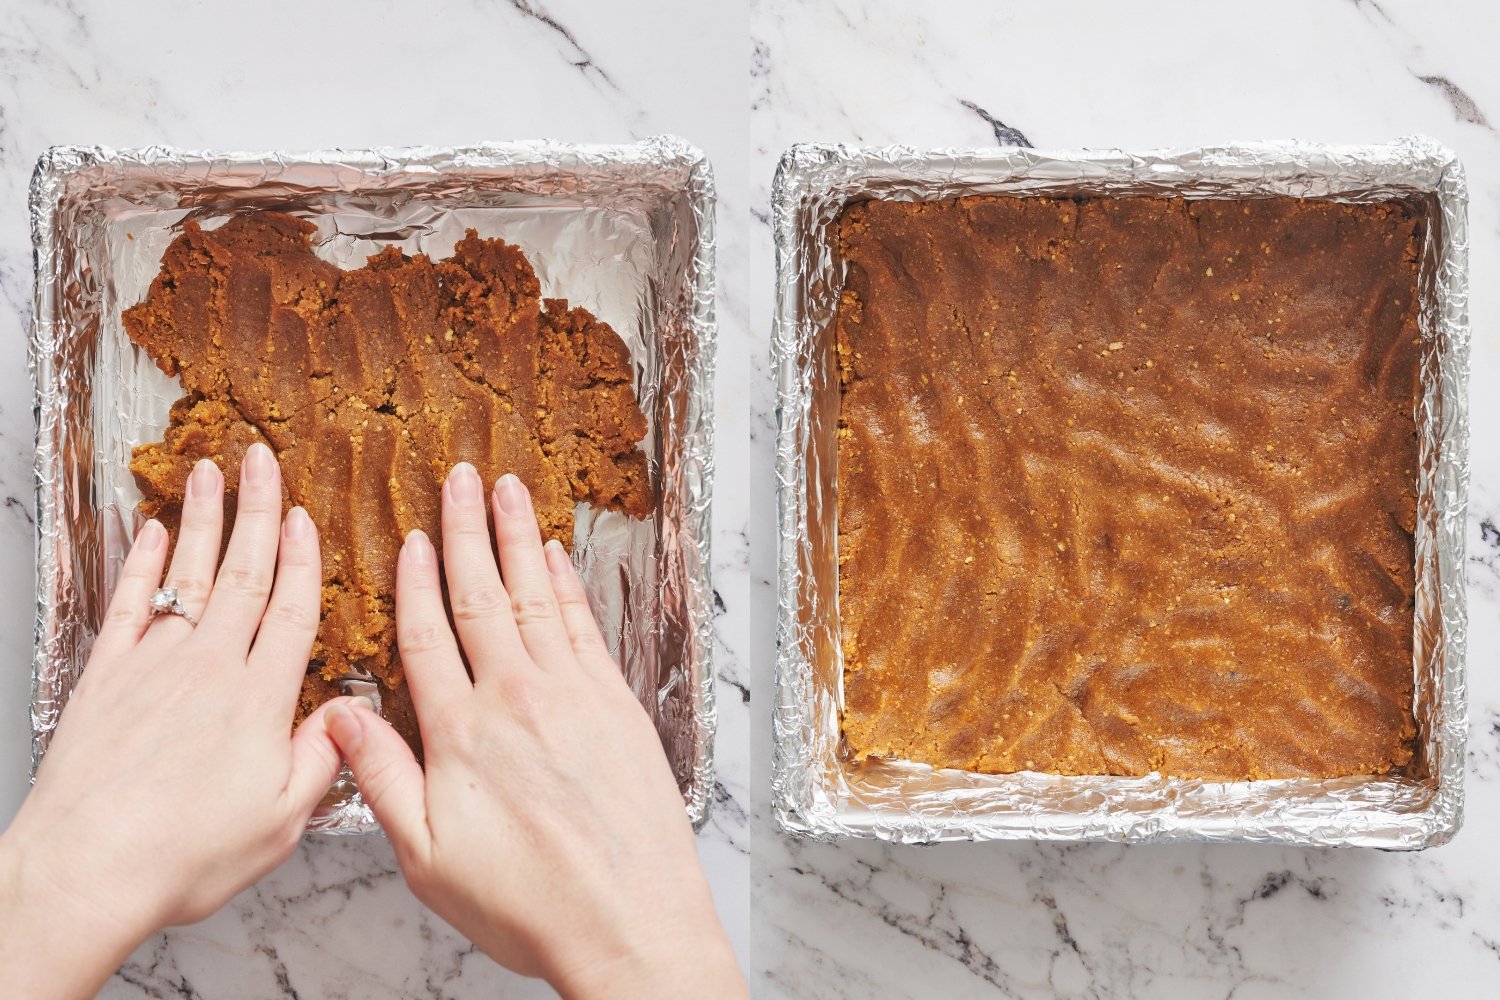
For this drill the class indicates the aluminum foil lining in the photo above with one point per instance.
(626, 231)
(821, 793)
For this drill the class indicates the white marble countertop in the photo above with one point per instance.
(1084, 922)
(337, 920)
(859, 919)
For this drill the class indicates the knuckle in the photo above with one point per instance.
(257, 503)
(421, 637)
(245, 580)
(292, 614)
(583, 627)
(468, 529)
(300, 552)
(532, 609)
(589, 641)
(572, 599)
(478, 602)
(522, 695)
(198, 506)
(191, 590)
(377, 777)
(120, 613)
(452, 719)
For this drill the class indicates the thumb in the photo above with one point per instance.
(315, 763)
(389, 777)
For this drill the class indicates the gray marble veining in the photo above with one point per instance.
(743, 81)
(336, 920)
(1030, 921)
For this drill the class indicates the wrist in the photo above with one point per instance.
(61, 933)
(660, 965)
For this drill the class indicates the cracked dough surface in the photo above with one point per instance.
(369, 385)
(1128, 485)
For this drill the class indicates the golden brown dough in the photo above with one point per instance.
(1128, 485)
(370, 384)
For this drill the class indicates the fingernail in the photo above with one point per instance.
(512, 495)
(260, 464)
(464, 485)
(298, 524)
(362, 701)
(418, 547)
(151, 536)
(557, 558)
(343, 725)
(204, 480)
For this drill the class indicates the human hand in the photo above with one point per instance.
(173, 780)
(547, 828)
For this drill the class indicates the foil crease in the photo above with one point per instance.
(626, 231)
(819, 792)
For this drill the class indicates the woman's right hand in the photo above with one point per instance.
(547, 828)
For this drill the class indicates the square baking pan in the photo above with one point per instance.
(820, 791)
(626, 231)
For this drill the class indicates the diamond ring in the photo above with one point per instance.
(165, 602)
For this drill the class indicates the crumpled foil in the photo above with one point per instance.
(626, 231)
(820, 792)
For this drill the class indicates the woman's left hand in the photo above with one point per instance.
(173, 779)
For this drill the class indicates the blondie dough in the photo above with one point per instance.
(1128, 485)
(369, 385)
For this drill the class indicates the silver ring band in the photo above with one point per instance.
(165, 602)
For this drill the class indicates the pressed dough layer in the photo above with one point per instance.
(369, 385)
(1128, 485)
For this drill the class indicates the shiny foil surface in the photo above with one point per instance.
(820, 791)
(626, 231)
